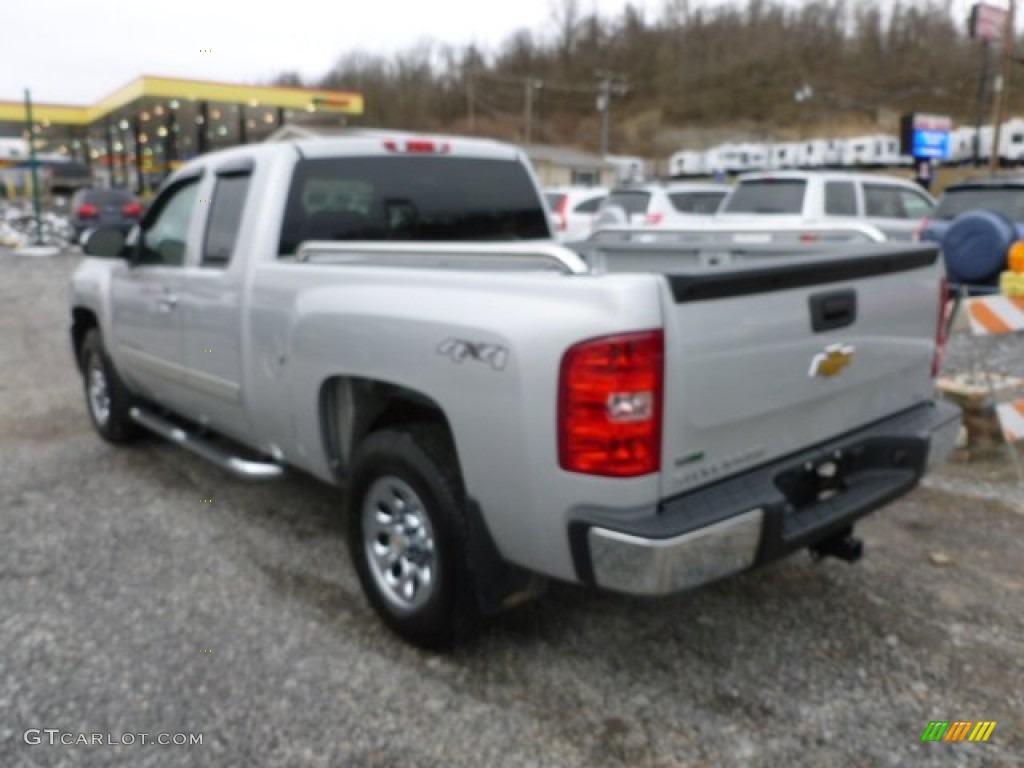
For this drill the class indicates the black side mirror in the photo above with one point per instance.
(104, 243)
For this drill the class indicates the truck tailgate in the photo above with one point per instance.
(764, 361)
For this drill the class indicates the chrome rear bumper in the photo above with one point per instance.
(764, 514)
(626, 563)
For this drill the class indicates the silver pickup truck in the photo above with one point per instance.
(392, 316)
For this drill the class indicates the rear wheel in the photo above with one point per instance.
(106, 396)
(407, 535)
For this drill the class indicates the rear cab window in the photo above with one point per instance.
(589, 206)
(632, 201)
(105, 196)
(767, 196)
(1008, 201)
(428, 198)
(696, 202)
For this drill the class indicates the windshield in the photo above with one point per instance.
(411, 198)
(1008, 201)
(767, 196)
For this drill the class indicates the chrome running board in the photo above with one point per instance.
(243, 468)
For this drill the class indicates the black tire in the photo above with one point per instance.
(114, 423)
(441, 611)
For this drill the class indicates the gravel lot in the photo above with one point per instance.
(132, 604)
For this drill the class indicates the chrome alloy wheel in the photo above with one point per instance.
(99, 392)
(399, 543)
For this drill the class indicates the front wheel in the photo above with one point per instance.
(407, 535)
(106, 396)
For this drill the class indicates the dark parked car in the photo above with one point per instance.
(976, 222)
(106, 208)
(58, 177)
(66, 178)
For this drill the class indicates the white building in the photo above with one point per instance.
(13, 151)
(630, 169)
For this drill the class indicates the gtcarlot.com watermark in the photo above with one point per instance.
(54, 736)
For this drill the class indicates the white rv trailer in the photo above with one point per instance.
(822, 153)
(688, 162)
(785, 154)
(876, 150)
(737, 158)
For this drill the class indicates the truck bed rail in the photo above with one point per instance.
(719, 245)
(459, 256)
(722, 232)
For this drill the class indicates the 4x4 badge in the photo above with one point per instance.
(832, 361)
(458, 350)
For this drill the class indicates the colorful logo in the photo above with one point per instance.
(958, 730)
(832, 361)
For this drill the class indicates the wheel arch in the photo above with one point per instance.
(353, 407)
(83, 320)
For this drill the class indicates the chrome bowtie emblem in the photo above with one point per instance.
(832, 361)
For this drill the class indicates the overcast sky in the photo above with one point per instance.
(77, 51)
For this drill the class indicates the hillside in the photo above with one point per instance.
(689, 77)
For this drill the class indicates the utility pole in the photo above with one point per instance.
(529, 86)
(610, 84)
(34, 166)
(470, 99)
(982, 84)
(1004, 85)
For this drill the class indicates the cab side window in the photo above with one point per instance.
(884, 201)
(229, 196)
(840, 198)
(165, 234)
(916, 206)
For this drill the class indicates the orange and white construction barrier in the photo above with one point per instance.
(992, 315)
(1011, 419)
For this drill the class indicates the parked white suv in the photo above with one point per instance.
(573, 210)
(896, 206)
(660, 205)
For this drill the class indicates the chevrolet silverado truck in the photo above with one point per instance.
(392, 315)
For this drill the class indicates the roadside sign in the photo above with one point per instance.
(987, 22)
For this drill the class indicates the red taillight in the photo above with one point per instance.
(88, 211)
(653, 219)
(133, 210)
(940, 329)
(805, 238)
(610, 403)
(418, 146)
(563, 214)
